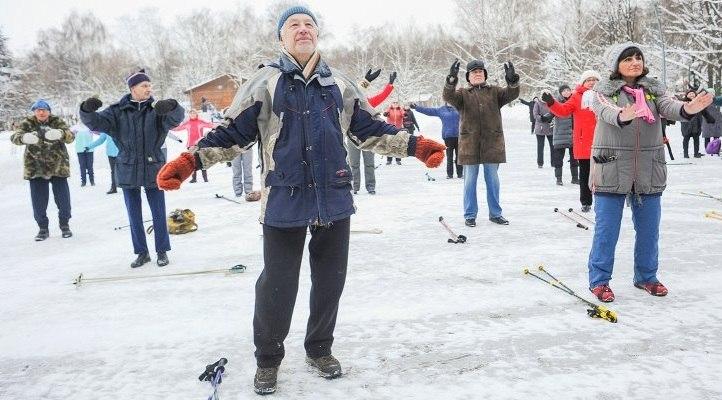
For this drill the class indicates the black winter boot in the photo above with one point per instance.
(142, 259)
(265, 380)
(66, 231)
(43, 234)
(326, 366)
(162, 259)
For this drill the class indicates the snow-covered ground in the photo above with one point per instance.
(420, 318)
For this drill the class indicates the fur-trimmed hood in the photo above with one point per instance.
(609, 87)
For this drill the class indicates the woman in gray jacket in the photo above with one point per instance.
(628, 163)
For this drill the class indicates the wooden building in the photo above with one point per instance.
(219, 91)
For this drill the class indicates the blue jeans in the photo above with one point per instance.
(491, 178)
(645, 216)
(156, 202)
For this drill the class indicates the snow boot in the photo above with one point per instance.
(559, 181)
(653, 288)
(471, 222)
(43, 234)
(326, 366)
(499, 220)
(586, 208)
(162, 260)
(142, 259)
(253, 196)
(66, 231)
(265, 380)
(604, 293)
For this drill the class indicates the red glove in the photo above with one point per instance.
(175, 172)
(429, 151)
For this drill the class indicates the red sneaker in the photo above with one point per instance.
(604, 293)
(653, 288)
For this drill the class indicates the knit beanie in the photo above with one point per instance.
(137, 77)
(589, 74)
(40, 104)
(293, 10)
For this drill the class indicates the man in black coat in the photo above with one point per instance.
(138, 124)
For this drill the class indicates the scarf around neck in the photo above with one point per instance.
(640, 103)
(310, 67)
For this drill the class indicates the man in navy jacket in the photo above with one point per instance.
(138, 125)
(299, 110)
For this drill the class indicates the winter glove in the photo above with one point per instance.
(163, 107)
(392, 78)
(412, 106)
(175, 172)
(453, 73)
(429, 152)
(547, 118)
(92, 104)
(53, 134)
(30, 138)
(511, 77)
(547, 98)
(370, 76)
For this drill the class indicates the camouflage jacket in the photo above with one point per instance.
(47, 158)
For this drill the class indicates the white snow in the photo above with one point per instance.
(419, 319)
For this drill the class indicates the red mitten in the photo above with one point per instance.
(175, 172)
(429, 151)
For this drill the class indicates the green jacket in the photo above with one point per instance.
(47, 158)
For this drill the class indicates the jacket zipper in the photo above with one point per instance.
(307, 147)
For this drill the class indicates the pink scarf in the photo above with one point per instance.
(640, 103)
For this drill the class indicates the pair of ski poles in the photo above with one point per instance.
(575, 217)
(596, 311)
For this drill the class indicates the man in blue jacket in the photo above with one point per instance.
(138, 125)
(449, 132)
(299, 110)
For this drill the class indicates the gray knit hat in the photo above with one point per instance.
(293, 10)
(615, 51)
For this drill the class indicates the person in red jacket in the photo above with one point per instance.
(394, 116)
(381, 96)
(578, 106)
(194, 126)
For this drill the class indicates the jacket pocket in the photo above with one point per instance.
(606, 175)
(125, 173)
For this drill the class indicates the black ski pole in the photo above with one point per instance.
(214, 375)
(579, 224)
(220, 196)
(125, 226)
(710, 196)
(429, 177)
(571, 210)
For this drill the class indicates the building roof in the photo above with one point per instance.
(230, 76)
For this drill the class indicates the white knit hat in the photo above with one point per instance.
(590, 73)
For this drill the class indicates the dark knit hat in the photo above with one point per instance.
(475, 64)
(563, 87)
(137, 77)
(40, 104)
(293, 10)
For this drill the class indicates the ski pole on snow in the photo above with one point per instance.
(220, 196)
(571, 210)
(214, 374)
(228, 271)
(429, 177)
(454, 237)
(579, 224)
(125, 226)
(596, 311)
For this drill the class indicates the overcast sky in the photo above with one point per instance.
(20, 20)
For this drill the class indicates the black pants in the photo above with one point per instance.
(585, 194)
(558, 162)
(685, 144)
(533, 123)
(452, 147)
(203, 172)
(111, 161)
(277, 287)
(40, 195)
(540, 148)
(85, 160)
(134, 206)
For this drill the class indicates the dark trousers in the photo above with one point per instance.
(540, 148)
(685, 144)
(533, 125)
(40, 195)
(156, 201)
(277, 287)
(203, 172)
(558, 162)
(111, 161)
(452, 147)
(585, 194)
(85, 160)
(389, 159)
